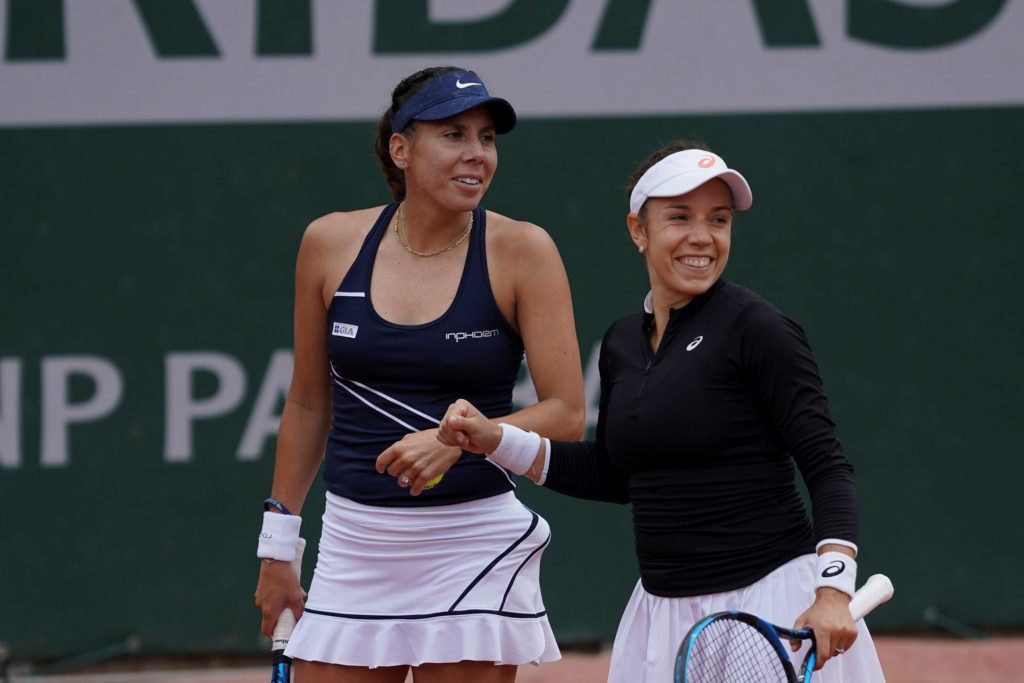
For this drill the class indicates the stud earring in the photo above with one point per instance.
(640, 249)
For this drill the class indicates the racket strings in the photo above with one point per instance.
(730, 651)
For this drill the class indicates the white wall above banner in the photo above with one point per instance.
(67, 62)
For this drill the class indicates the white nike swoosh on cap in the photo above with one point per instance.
(460, 84)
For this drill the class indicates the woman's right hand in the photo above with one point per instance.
(278, 589)
(466, 427)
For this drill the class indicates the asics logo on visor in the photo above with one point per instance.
(460, 85)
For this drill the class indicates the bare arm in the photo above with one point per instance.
(306, 418)
(304, 423)
(829, 616)
(544, 316)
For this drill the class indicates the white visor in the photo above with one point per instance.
(684, 171)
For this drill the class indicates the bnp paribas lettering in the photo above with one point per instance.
(204, 393)
(36, 28)
(65, 411)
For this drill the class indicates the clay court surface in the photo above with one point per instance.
(906, 660)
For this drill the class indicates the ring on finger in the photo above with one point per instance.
(840, 650)
(404, 480)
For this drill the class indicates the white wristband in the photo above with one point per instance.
(547, 462)
(517, 449)
(836, 570)
(278, 537)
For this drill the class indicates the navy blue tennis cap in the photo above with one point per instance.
(449, 94)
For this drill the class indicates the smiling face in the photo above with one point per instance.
(449, 162)
(686, 240)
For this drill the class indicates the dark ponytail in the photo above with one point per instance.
(393, 175)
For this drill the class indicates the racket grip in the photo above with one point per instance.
(286, 622)
(876, 590)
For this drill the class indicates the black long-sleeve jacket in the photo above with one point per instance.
(704, 437)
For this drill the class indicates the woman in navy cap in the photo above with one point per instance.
(427, 559)
(710, 403)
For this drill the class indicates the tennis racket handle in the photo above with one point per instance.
(876, 590)
(286, 622)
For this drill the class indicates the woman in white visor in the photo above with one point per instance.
(711, 402)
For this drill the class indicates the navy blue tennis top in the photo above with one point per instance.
(389, 379)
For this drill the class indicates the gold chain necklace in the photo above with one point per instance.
(400, 225)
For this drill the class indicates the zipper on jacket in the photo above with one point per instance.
(647, 371)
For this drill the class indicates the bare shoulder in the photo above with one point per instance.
(330, 246)
(519, 239)
(338, 229)
(531, 286)
(523, 260)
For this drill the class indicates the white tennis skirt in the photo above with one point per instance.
(410, 586)
(652, 627)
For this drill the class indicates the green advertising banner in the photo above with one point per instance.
(153, 192)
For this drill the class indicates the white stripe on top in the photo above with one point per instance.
(339, 379)
(343, 383)
(379, 410)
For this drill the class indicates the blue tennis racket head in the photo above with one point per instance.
(734, 647)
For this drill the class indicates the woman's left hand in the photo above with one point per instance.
(419, 460)
(829, 618)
